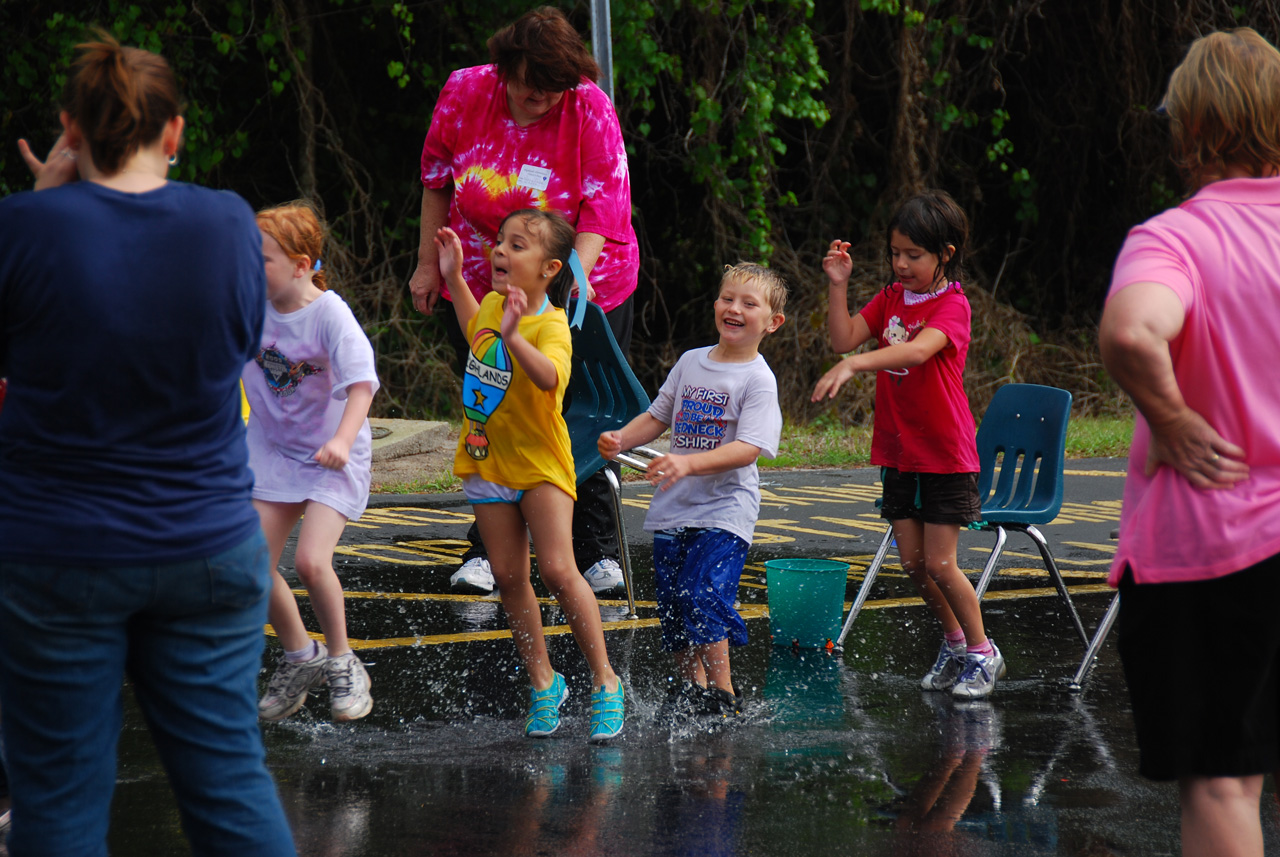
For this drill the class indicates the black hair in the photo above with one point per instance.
(557, 238)
(932, 220)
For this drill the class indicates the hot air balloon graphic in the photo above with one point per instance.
(483, 387)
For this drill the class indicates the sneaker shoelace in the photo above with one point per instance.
(342, 682)
(975, 666)
(284, 677)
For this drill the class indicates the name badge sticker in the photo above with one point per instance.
(535, 177)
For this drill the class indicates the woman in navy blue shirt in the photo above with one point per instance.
(128, 545)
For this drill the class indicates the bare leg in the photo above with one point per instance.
(549, 512)
(282, 610)
(689, 664)
(1220, 816)
(503, 530)
(910, 536)
(322, 526)
(715, 659)
(940, 542)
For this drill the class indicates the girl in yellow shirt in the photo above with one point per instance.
(514, 455)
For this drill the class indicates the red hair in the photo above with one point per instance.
(299, 231)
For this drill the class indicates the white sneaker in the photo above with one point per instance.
(946, 668)
(978, 678)
(348, 682)
(473, 576)
(288, 687)
(605, 576)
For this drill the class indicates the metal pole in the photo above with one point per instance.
(602, 44)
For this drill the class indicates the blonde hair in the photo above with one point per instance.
(1223, 104)
(772, 284)
(299, 231)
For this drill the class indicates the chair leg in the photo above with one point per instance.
(865, 589)
(1058, 582)
(1095, 645)
(624, 551)
(990, 568)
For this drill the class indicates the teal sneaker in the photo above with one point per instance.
(544, 708)
(606, 714)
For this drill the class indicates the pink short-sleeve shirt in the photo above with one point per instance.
(572, 160)
(1220, 254)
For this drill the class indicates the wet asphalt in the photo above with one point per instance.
(836, 753)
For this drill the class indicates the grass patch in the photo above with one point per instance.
(1099, 437)
(823, 445)
(444, 484)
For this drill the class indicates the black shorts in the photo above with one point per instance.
(934, 498)
(1207, 705)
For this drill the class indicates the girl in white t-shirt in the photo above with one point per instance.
(310, 449)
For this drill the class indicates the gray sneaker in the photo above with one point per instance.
(978, 678)
(946, 668)
(287, 689)
(348, 681)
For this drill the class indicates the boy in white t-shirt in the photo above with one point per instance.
(721, 403)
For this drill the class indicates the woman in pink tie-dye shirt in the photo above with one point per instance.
(532, 130)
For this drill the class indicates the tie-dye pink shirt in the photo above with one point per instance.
(572, 160)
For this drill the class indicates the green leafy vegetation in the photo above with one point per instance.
(755, 129)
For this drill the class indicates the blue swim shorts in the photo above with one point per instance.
(697, 572)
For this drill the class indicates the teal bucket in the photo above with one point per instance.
(806, 601)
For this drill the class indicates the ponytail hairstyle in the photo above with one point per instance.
(556, 237)
(120, 97)
(299, 231)
(932, 220)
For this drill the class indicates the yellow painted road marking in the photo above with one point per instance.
(748, 612)
(857, 525)
(1119, 473)
(1061, 561)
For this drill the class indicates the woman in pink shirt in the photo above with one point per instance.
(1189, 332)
(532, 130)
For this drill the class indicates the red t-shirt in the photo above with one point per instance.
(923, 423)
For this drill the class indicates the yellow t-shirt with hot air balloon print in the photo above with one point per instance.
(513, 433)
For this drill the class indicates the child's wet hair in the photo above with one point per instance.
(773, 285)
(298, 229)
(557, 238)
(932, 220)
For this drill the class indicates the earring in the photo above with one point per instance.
(173, 159)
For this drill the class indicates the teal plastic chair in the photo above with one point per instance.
(1021, 452)
(603, 395)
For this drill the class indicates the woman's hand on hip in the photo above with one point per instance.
(1191, 446)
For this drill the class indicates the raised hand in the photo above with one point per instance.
(56, 169)
(517, 302)
(837, 264)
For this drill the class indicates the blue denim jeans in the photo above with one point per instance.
(189, 637)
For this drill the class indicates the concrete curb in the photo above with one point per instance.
(407, 437)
